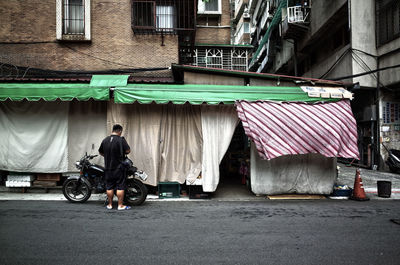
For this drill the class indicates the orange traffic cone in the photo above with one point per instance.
(358, 191)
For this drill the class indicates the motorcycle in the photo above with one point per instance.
(393, 160)
(91, 177)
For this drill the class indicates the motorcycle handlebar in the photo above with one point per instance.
(90, 156)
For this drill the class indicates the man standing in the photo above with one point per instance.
(114, 148)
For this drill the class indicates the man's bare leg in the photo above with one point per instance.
(110, 195)
(120, 195)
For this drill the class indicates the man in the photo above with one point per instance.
(114, 148)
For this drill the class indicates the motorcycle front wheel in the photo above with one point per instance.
(136, 192)
(76, 191)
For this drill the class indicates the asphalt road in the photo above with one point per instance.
(208, 232)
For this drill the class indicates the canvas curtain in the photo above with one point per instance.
(302, 174)
(165, 140)
(218, 125)
(33, 136)
(87, 127)
(180, 143)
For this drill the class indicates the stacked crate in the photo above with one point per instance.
(19, 180)
(46, 179)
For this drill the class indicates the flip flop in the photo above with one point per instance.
(109, 207)
(124, 208)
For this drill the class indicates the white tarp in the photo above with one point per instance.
(218, 125)
(87, 127)
(33, 136)
(302, 174)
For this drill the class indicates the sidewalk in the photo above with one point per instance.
(346, 177)
(369, 177)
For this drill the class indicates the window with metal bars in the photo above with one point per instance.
(225, 58)
(166, 16)
(73, 17)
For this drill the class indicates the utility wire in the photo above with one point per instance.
(48, 72)
(365, 73)
(335, 63)
(95, 57)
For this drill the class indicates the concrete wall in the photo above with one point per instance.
(389, 54)
(322, 11)
(343, 68)
(363, 38)
(113, 44)
(282, 57)
(210, 79)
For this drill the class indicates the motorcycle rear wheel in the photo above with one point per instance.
(76, 191)
(136, 192)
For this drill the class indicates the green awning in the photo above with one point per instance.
(211, 94)
(109, 80)
(52, 91)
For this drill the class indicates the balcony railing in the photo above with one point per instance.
(298, 14)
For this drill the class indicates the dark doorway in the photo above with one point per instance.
(234, 167)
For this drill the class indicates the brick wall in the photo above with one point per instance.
(113, 44)
(219, 31)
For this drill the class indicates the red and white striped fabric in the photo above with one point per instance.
(279, 129)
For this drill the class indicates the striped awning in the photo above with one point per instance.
(279, 129)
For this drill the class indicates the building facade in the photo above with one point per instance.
(89, 35)
(347, 40)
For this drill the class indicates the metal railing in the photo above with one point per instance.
(298, 14)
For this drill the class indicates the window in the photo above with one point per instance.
(211, 7)
(165, 18)
(143, 14)
(158, 16)
(73, 17)
(73, 20)
(388, 20)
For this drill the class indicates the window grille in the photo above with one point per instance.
(214, 58)
(143, 13)
(388, 20)
(225, 58)
(163, 16)
(239, 60)
(74, 17)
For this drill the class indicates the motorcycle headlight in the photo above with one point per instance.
(78, 164)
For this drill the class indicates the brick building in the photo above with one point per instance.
(92, 35)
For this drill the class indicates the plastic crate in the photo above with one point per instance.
(169, 190)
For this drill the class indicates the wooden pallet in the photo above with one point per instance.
(296, 197)
(48, 176)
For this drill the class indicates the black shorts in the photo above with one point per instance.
(115, 179)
